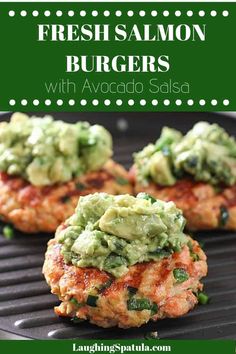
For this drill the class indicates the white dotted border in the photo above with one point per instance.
(119, 102)
(119, 13)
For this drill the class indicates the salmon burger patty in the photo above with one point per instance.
(117, 300)
(150, 271)
(197, 171)
(42, 209)
(204, 207)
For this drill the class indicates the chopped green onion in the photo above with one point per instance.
(80, 186)
(160, 253)
(147, 197)
(75, 302)
(122, 181)
(190, 245)
(194, 256)
(65, 199)
(76, 319)
(180, 275)
(8, 232)
(203, 298)
(119, 244)
(134, 304)
(224, 216)
(154, 309)
(176, 248)
(92, 300)
(87, 141)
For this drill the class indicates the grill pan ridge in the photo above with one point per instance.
(26, 305)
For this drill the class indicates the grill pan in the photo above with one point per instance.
(26, 305)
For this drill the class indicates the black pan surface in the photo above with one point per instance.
(26, 305)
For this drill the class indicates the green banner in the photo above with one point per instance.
(113, 346)
(118, 56)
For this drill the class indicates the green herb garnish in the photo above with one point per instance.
(154, 309)
(86, 140)
(75, 302)
(8, 232)
(193, 255)
(113, 261)
(203, 298)
(180, 275)
(160, 253)
(92, 300)
(134, 304)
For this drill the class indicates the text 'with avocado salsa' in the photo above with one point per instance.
(44, 151)
(206, 153)
(112, 233)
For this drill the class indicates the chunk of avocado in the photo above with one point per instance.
(160, 170)
(128, 224)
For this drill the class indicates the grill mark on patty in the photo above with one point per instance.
(42, 207)
(182, 189)
(95, 180)
(32, 195)
(134, 279)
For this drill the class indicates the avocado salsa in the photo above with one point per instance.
(112, 233)
(206, 153)
(45, 152)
